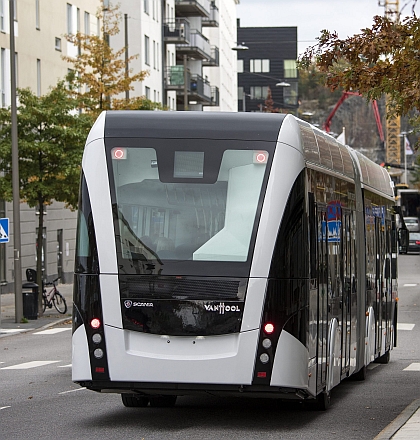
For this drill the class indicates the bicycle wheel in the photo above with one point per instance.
(44, 303)
(59, 302)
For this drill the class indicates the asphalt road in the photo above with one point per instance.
(39, 401)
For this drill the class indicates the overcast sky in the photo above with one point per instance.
(346, 17)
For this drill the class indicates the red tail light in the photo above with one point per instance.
(268, 328)
(95, 323)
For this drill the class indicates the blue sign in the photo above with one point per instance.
(4, 230)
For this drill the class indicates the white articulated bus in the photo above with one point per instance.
(229, 253)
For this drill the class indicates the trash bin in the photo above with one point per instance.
(30, 300)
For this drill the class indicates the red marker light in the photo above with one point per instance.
(95, 323)
(417, 241)
(261, 374)
(269, 328)
(260, 157)
(119, 153)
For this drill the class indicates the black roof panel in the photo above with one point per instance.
(193, 125)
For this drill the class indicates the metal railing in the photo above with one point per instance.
(177, 31)
(213, 20)
(203, 5)
(199, 41)
(214, 57)
(200, 87)
(174, 77)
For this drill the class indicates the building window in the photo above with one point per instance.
(2, 19)
(146, 6)
(259, 66)
(259, 92)
(38, 77)
(154, 54)
(3, 77)
(87, 23)
(37, 24)
(290, 70)
(157, 56)
(146, 50)
(147, 89)
(240, 66)
(290, 94)
(69, 19)
(58, 44)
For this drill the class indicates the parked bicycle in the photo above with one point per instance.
(51, 297)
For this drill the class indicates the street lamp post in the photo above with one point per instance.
(17, 267)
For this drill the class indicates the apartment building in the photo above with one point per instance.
(184, 45)
(39, 27)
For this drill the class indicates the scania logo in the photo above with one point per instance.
(128, 303)
(221, 308)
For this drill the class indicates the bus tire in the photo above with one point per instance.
(322, 401)
(163, 401)
(134, 400)
(360, 375)
(384, 359)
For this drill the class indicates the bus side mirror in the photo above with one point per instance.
(403, 240)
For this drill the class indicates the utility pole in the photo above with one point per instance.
(15, 173)
(127, 92)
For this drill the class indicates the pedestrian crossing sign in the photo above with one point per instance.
(4, 230)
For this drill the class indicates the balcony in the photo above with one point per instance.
(198, 49)
(214, 96)
(198, 88)
(174, 78)
(213, 20)
(176, 32)
(214, 57)
(192, 8)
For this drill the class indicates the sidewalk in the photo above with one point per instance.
(8, 326)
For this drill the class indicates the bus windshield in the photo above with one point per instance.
(183, 205)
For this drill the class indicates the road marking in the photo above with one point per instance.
(4, 407)
(415, 366)
(64, 366)
(72, 391)
(13, 330)
(52, 331)
(28, 365)
(409, 285)
(401, 326)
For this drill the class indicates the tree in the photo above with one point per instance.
(98, 73)
(380, 60)
(51, 141)
(269, 103)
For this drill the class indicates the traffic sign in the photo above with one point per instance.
(4, 230)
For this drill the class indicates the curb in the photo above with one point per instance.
(388, 432)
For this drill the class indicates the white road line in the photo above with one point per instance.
(13, 330)
(402, 326)
(415, 366)
(65, 366)
(72, 391)
(52, 331)
(27, 365)
(4, 407)
(409, 285)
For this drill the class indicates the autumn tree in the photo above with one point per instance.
(51, 140)
(269, 103)
(98, 74)
(383, 59)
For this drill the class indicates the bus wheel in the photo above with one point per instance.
(360, 375)
(134, 400)
(162, 401)
(323, 401)
(384, 359)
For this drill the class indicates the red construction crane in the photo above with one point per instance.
(344, 96)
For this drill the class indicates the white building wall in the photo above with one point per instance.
(145, 18)
(225, 76)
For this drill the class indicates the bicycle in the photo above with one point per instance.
(53, 298)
